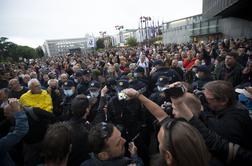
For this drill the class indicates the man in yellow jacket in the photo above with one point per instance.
(36, 97)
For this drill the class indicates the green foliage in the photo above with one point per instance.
(4, 48)
(26, 52)
(132, 42)
(156, 39)
(39, 52)
(100, 43)
(12, 52)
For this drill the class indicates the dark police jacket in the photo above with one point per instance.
(127, 115)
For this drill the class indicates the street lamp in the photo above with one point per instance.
(102, 33)
(119, 27)
(145, 20)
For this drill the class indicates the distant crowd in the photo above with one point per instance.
(176, 104)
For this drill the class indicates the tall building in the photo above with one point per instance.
(220, 19)
(231, 18)
(63, 46)
(227, 8)
(179, 31)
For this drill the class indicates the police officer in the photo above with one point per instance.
(94, 98)
(159, 69)
(69, 94)
(203, 76)
(83, 77)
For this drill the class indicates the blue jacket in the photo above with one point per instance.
(12, 138)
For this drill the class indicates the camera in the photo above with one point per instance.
(199, 94)
(175, 92)
(167, 106)
(122, 96)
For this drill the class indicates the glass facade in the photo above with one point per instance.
(205, 27)
(63, 46)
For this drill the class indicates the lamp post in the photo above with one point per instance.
(119, 27)
(145, 20)
(102, 33)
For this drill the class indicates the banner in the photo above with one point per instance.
(91, 43)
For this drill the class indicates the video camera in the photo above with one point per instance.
(175, 92)
(167, 106)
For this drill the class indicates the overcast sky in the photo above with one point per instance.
(31, 22)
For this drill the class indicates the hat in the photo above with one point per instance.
(203, 68)
(122, 84)
(138, 85)
(94, 84)
(139, 70)
(111, 81)
(68, 84)
(158, 62)
(163, 80)
(244, 92)
(81, 72)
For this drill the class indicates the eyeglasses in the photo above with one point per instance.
(104, 130)
(37, 86)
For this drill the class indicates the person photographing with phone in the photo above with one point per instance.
(188, 107)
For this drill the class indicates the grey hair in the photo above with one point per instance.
(63, 75)
(32, 81)
(49, 81)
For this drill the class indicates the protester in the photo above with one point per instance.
(36, 97)
(13, 109)
(108, 148)
(151, 70)
(57, 145)
(16, 89)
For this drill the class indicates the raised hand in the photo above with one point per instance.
(132, 149)
(131, 93)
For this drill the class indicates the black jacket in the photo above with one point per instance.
(200, 82)
(120, 161)
(233, 124)
(220, 147)
(127, 115)
(80, 149)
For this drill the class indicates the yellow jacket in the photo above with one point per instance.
(42, 101)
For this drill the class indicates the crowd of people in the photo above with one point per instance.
(176, 104)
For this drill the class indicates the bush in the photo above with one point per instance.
(132, 42)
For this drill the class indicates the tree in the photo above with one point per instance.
(100, 43)
(26, 52)
(39, 52)
(4, 47)
(131, 41)
(10, 51)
